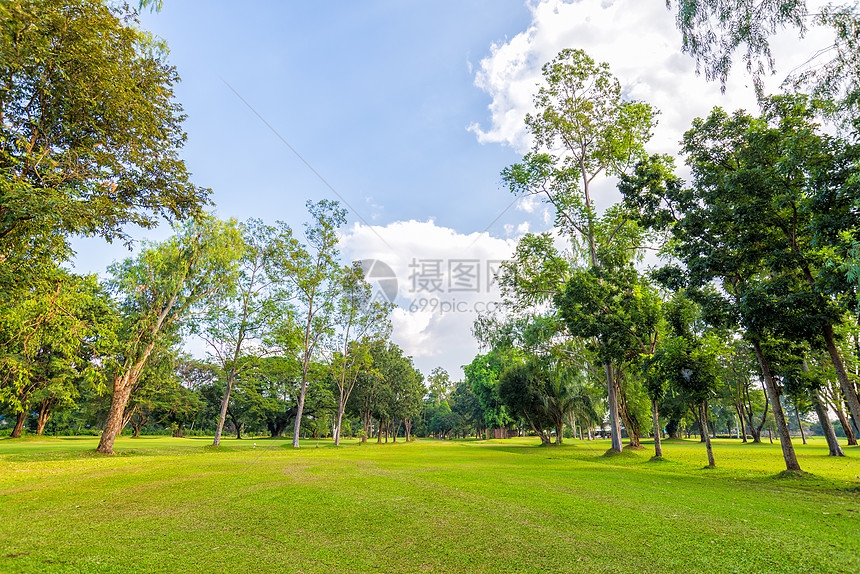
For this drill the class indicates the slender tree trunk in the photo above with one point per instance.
(785, 439)
(612, 392)
(339, 422)
(846, 425)
(558, 433)
(297, 427)
(770, 433)
(743, 425)
(826, 426)
(698, 413)
(799, 423)
(222, 414)
(703, 417)
(848, 390)
(658, 445)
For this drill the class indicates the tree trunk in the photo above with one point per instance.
(222, 414)
(743, 425)
(114, 424)
(799, 423)
(558, 433)
(631, 423)
(658, 446)
(236, 424)
(339, 422)
(698, 414)
(703, 410)
(20, 419)
(846, 426)
(301, 406)
(848, 390)
(612, 392)
(826, 426)
(785, 439)
(44, 417)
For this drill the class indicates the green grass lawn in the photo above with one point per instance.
(172, 505)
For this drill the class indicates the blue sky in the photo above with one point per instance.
(409, 110)
(376, 96)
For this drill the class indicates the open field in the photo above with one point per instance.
(165, 505)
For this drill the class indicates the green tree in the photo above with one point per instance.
(155, 292)
(358, 318)
(310, 283)
(90, 133)
(583, 129)
(235, 325)
(51, 344)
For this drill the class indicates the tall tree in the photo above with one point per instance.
(237, 321)
(89, 132)
(583, 129)
(358, 318)
(310, 279)
(156, 291)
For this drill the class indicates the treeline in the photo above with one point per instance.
(749, 319)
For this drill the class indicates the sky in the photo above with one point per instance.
(407, 112)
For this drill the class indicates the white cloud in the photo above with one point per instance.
(639, 41)
(442, 281)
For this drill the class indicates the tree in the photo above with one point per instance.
(155, 292)
(90, 134)
(439, 385)
(713, 30)
(583, 129)
(521, 388)
(359, 318)
(310, 280)
(51, 344)
(482, 375)
(687, 360)
(233, 324)
(612, 305)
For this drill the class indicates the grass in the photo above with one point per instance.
(166, 505)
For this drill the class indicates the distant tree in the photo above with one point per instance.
(52, 343)
(358, 319)
(439, 385)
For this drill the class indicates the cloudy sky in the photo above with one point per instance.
(406, 112)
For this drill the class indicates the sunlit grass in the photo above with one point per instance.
(166, 504)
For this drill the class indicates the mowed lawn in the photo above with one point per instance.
(172, 505)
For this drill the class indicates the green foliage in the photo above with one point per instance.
(53, 343)
(90, 135)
